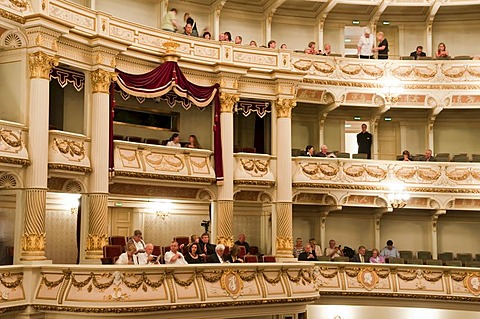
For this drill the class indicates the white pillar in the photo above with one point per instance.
(268, 27)
(434, 232)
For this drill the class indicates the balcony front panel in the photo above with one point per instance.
(253, 169)
(12, 144)
(68, 152)
(13, 291)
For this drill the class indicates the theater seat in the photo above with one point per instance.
(250, 259)
(424, 255)
(407, 57)
(434, 262)
(460, 158)
(472, 263)
(406, 254)
(393, 260)
(414, 261)
(111, 253)
(253, 250)
(453, 263)
(341, 259)
(343, 155)
(352, 56)
(445, 256)
(476, 158)
(323, 258)
(269, 259)
(359, 156)
(136, 139)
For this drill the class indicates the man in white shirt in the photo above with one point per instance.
(174, 256)
(147, 258)
(138, 241)
(217, 257)
(390, 251)
(365, 45)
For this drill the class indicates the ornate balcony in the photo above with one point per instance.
(68, 152)
(12, 144)
(253, 170)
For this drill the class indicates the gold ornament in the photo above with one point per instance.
(40, 65)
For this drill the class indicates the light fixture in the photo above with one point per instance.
(357, 118)
(162, 208)
(386, 22)
(348, 40)
(397, 196)
(387, 118)
(356, 22)
(392, 90)
(72, 202)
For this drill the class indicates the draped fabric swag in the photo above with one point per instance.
(158, 82)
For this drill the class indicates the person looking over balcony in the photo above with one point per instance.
(233, 256)
(364, 141)
(310, 151)
(205, 247)
(137, 240)
(227, 36)
(217, 257)
(441, 51)
(174, 140)
(428, 157)
(207, 35)
(298, 248)
(365, 45)
(192, 257)
(193, 142)
(253, 43)
(327, 49)
(308, 254)
(376, 257)
(238, 39)
(221, 37)
(332, 250)
(188, 30)
(382, 47)
(406, 156)
(418, 52)
(360, 256)
(147, 258)
(241, 242)
(272, 44)
(283, 46)
(128, 257)
(324, 152)
(170, 21)
(174, 256)
(389, 251)
(311, 48)
(189, 20)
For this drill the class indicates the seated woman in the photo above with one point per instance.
(311, 48)
(193, 142)
(406, 156)
(376, 257)
(233, 256)
(441, 51)
(192, 257)
(174, 140)
(128, 257)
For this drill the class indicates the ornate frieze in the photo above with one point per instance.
(40, 65)
(12, 146)
(252, 168)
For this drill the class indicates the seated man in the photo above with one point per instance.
(241, 242)
(389, 251)
(205, 247)
(147, 258)
(428, 156)
(332, 250)
(188, 30)
(324, 152)
(137, 240)
(217, 257)
(360, 256)
(418, 52)
(174, 256)
(308, 254)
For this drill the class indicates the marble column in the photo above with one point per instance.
(284, 240)
(224, 217)
(33, 238)
(98, 190)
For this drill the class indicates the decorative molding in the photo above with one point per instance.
(101, 80)
(228, 101)
(285, 107)
(40, 65)
(254, 183)
(69, 168)
(190, 179)
(15, 161)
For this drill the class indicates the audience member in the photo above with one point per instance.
(324, 152)
(193, 142)
(170, 21)
(147, 258)
(310, 151)
(327, 49)
(227, 36)
(174, 256)
(272, 44)
(364, 141)
(308, 254)
(283, 46)
(238, 39)
(441, 51)
(389, 251)
(316, 248)
(137, 240)
(174, 140)
(233, 256)
(205, 247)
(332, 250)
(241, 242)
(376, 257)
(128, 257)
(311, 48)
(298, 248)
(189, 20)
(365, 45)
(217, 256)
(406, 156)
(192, 257)
(207, 35)
(418, 52)
(188, 30)
(221, 37)
(194, 239)
(253, 43)
(359, 257)
(382, 47)
(428, 156)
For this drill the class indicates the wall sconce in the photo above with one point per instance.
(72, 202)
(397, 197)
(162, 209)
(392, 90)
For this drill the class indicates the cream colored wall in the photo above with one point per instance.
(295, 36)
(411, 36)
(7, 226)
(247, 29)
(333, 33)
(12, 92)
(407, 232)
(456, 136)
(350, 230)
(247, 220)
(143, 12)
(61, 229)
(458, 37)
(73, 110)
(304, 131)
(458, 235)
(413, 138)
(334, 134)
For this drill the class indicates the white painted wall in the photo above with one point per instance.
(73, 110)
(418, 236)
(143, 12)
(11, 92)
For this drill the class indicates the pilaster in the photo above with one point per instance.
(434, 220)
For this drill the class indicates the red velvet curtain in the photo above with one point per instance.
(161, 80)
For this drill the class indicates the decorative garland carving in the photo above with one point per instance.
(185, 283)
(70, 147)
(458, 175)
(11, 284)
(52, 284)
(94, 280)
(273, 281)
(428, 174)
(10, 138)
(314, 169)
(458, 276)
(254, 165)
(324, 67)
(175, 163)
(303, 276)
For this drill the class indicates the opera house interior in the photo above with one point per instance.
(344, 126)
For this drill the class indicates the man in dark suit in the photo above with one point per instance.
(428, 157)
(418, 52)
(360, 256)
(205, 247)
(308, 254)
(241, 242)
(364, 141)
(217, 257)
(310, 151)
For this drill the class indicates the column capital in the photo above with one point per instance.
(40, 65)
(284, 107)
(227, 101)
(101, 80)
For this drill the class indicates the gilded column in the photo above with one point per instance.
(224, 220)
(284, 240)
(98, 197)
(33, 238)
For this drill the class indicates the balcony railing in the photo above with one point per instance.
(68, 152)
(12, 144)
(253, 169)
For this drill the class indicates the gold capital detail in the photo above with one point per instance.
(33, 242)
(40, 65)
(284, 107)
(226, 241)
(285, 246)
(227, 101)
(96, 242)
(101, 80)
